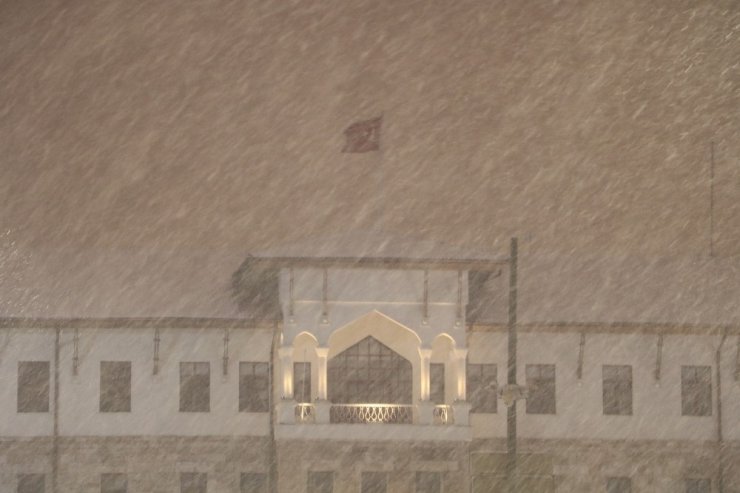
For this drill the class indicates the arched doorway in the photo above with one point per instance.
(369, 373)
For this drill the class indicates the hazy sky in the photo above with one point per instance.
(577, 125)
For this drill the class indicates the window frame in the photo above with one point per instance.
(439, 480)
(191, 476)
(693, 388)
(260, 487)
(697, 485)
(190, 403)
(618, 482)
(302, 386)
(312, 478)
(21, 480)
(33, 400)
(254, 387)
(112, 476)
(482, 396)
(115, 403)
(539, 387)
(617, 391)
(375, 474)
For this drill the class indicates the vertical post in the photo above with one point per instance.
(291, 295)
(460, 356)
(323, 355)
(75, 352)
(155, 365)
(425, 316)
(581, 348)
(286, 367)
(511, 370)
(55, 442)
(425, 354)
(225, 359)
(711, 199)
(325, 298)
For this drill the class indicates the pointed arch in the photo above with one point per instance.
(370, 372)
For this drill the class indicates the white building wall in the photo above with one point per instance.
(154, 398)
(24, 345)
(579, 403)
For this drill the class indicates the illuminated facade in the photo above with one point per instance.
(372, 377)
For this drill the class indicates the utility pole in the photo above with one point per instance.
(511, 466)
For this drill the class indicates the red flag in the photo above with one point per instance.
(363, 136)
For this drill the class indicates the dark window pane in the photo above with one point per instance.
(698, 486)
(193, 482)
(195, 387)
(113, 483)
(428, 482)
(541, 386)
(369, 372)
(320, 482)
(254, 387)
(482, 388)
(374, 482)
(302, 382)
(31, 483)
(437, 383)
(617, 389)
(115, 386)
(618, 485)
(696, 390)
(253, 482)
(33, 386)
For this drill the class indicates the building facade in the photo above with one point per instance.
(364, 375)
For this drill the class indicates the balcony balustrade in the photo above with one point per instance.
(305, 413)
(443, 415)
(371, 413)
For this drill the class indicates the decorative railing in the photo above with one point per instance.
(371, 413)
(305, 413)
(443, 415)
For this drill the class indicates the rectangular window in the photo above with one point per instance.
(254, 387)
(115, 386)
(193, 482)
(302, 382)
(428, 482)
(617, 389)
(437, 383)
(482, 387)
(696, 390)
(374, 482)
(31, 483)
(698, 486)
(195, 387)
(33, 386)
(320, 482)
(618, 485)
(113, 483)
(541, 386)
(253, 482)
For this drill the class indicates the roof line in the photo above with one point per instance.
(385, 262)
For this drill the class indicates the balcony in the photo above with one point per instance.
(323, 420)
(371, 413)
(305, 413)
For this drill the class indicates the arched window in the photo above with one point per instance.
(369, 373)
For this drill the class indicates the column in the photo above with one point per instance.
(322, 405)
(461, 407)
(286, 367)
(460, 357)
(425, 407)
(286, 406)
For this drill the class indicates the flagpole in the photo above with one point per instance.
(381, 173)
